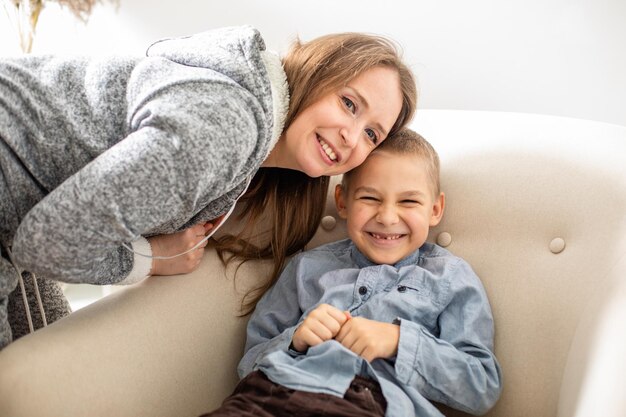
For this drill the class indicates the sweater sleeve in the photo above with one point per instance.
(187, 146)
(457, 367)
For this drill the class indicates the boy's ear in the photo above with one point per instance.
(438, 207)
(340, 201)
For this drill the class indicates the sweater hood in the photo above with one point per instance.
(228, 50)
(225, 50)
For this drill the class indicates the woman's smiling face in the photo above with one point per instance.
(338, 131)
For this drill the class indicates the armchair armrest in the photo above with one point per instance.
(595, 373)
(130, 353)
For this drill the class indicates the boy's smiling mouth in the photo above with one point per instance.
(386, 236)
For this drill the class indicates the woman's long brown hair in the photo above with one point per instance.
(292, 201)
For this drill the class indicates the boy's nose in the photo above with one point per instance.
(387, 215)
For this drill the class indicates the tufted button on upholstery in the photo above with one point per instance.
(557, 245)
(444, 239)
(363, 290)
(329, 223)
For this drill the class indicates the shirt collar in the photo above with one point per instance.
(363, 262)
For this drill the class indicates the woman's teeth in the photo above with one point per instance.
(328, 150)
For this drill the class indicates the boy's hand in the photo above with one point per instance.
(323, 323)
(175, 243)
(370, 339)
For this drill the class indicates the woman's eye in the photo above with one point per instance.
(372, 136)
(349, 104)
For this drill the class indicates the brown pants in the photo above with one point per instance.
(257, 396)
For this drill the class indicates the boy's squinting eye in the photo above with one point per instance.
(349, 104)
(368, 197)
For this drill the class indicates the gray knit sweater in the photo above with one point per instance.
(99, 152)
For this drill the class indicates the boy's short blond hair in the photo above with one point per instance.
(409, 142)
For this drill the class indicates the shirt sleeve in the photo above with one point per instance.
(273, 322)
(458, 368)
(184, 150)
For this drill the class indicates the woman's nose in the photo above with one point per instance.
(349, 136)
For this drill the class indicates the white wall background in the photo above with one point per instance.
(558, 57)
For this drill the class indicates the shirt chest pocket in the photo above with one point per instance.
(412, 287)
(414, 299)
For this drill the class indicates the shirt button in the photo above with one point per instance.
(401, 288)
(363, 290)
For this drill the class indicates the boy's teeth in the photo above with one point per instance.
(329, 152)
(391, 237)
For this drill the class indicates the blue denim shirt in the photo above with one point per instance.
(445, 352)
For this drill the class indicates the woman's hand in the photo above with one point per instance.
(175, 243)
(323, 323)
(370, 339)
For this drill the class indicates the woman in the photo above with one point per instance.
(97, 155)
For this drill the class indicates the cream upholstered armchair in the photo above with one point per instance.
(537, 205)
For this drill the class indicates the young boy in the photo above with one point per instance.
(379, 324)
